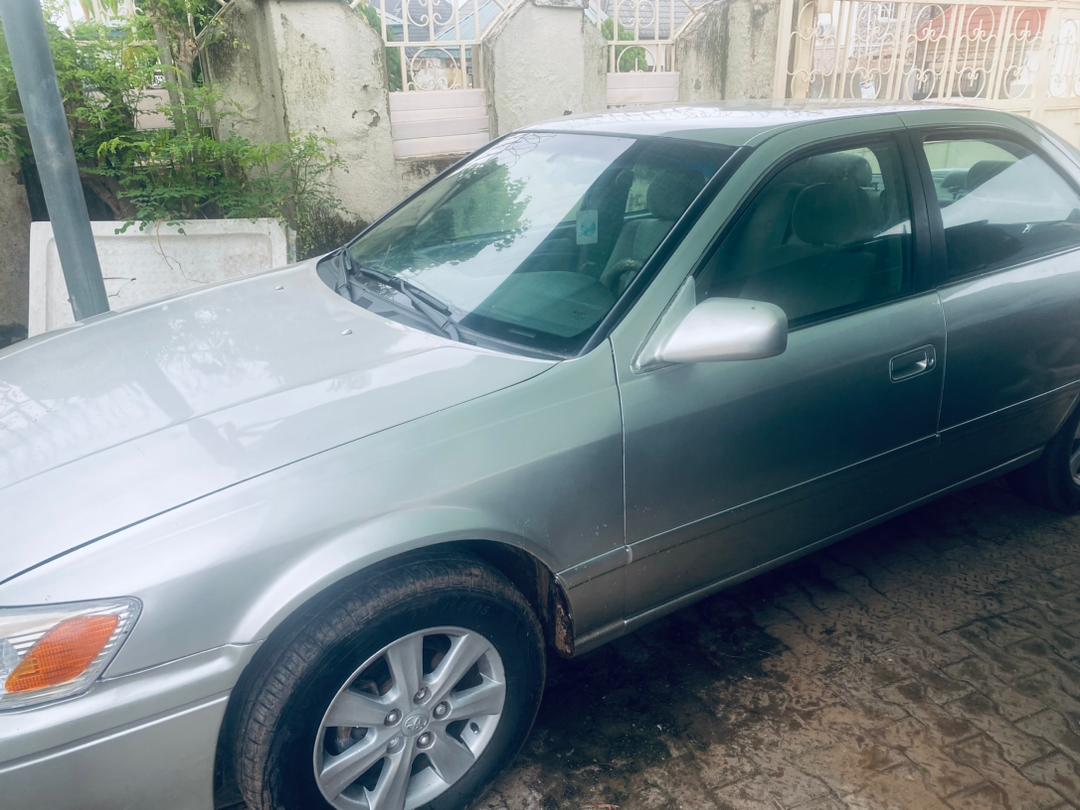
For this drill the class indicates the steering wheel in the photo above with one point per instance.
(618, 277)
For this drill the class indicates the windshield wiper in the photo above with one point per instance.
(436, 312)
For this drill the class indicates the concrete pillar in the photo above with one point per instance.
(244, 67)
(544, 60)
(728, 51)
(14, 255)
(315, 66)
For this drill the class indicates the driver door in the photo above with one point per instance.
(734, 465)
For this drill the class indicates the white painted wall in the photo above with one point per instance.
(163, 260)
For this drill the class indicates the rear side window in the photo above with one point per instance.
(1001, 204)
(828, 234)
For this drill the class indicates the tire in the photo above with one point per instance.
(1053, 480)
(454, 606)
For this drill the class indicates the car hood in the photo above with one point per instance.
(134, 413)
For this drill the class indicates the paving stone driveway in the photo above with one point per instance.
(933, 662)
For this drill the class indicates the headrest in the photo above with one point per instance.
(669, 195)
(836, 167)
(826, 214)
(955, 181)
(612, 188)
(984, 170)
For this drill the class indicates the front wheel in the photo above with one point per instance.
(1054, 479)
(412, 691)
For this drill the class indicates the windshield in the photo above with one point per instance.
(532, 241)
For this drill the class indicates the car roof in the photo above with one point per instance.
(738, 124)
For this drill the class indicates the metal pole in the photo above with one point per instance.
(35, 76)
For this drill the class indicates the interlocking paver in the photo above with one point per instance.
(1006, 666)
(1056, 771)
(781, 785)
(931, 663)
(1046, 687)
(984, 755)
(1054, 728)
(844, 766)
(941, 773)
(991, 796)
(1017, 746)
(941, 727)
(1010, 701)
(901, 788)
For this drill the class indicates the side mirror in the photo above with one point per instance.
(726, 329)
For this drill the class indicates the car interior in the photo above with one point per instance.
(1000, 209)
(570, 280)
(827, 233)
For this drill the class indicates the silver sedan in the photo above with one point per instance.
(308, 538)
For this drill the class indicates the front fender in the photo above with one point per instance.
(537, 465)
(381, 538)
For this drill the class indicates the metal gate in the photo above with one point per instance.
(1018, 56)
(438, 104)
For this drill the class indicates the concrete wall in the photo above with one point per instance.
(728, 51)
(543, 60)
(14, 255)
(333, 82)
(295, 66)
(245, 68)
(314, 66)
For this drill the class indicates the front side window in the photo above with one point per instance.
(1001, 204)
(827, 234)
(532, 241)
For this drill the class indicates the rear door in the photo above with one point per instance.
(1005, 209)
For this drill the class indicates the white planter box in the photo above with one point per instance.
(140, 266)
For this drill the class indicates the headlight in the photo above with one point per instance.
(56, 651)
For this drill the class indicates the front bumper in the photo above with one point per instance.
(143, 740)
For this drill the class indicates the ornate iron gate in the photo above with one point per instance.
(438, 104)
(1018, 56)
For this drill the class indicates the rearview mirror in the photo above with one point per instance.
(726, 329)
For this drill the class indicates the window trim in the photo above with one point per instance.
(965, 132)
(921, 253)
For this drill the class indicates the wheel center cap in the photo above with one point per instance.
(414, 724)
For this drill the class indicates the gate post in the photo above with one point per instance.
(799, 65)
(1050, 34)
(784, 30)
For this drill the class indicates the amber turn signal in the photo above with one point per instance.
(62, 654)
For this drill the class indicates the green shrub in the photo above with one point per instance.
(199, 168)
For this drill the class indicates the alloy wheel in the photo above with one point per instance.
(410, 721)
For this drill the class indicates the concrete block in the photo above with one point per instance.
(145, 265)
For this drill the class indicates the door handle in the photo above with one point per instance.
(912, 364)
